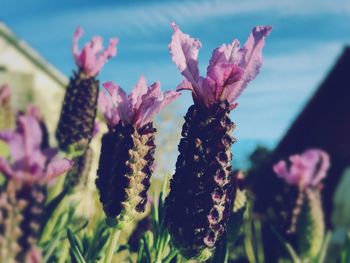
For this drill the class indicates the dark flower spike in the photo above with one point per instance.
(10, 221)
(126, 161)
(201, 190)
(76, 124)
(306, 171)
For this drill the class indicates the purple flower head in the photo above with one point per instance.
(5, 94)
(137, 108)
(28, 162)
(92, 57)
(34, 112)
(305, 170)
(230, 69)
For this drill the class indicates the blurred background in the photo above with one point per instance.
(301, 98)
(307, 39)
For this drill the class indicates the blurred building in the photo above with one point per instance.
(30, 77)
(323, 123)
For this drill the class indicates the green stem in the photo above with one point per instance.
(112, 244)
(172, 254)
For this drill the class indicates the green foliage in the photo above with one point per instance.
(156, 246)
(345, 254)
(89, 248)
(310, 226)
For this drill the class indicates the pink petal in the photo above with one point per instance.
(108, 108)
(148, 101)
(91, 59)
(75, 49)
(32, 134)
(224, 54)
(224, 75)
(58, 167)
(137, 93)
(152, 103)
(281, 170)
(120, 101)
(307, 169)
(34, 111)
(319, 162)
(15, 142)
(88, 61)
(185, 85)
(184, 52)
(250, 57)
(106, 55)
(207, 95)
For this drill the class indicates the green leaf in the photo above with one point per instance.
(97, 242)
(51, 207)
(322, 255)
(75, 247)
(293, 255)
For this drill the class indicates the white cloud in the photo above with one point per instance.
(146, 18)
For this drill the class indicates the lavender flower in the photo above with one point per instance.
(201, 190)
(76, 124)
(126, 161)
(306, 171)
(29, 163)
(30, 168)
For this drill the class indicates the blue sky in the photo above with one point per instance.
(307, 37)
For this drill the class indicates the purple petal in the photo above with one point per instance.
(15, 142)
(185, 85)
(207, 95)
(120, 101)
(25, 143)
(307, 169)
(224, 75)
(31, 134)
(318, 164)
(106, 55)
(34, 112)
(137, 93)
(253, 51)
(249, 59)
(184, 53)
(281, 170)
(75, 49)
(92, 58)
(108, 109)
(224, 54)
(58, 167)
(152, 103)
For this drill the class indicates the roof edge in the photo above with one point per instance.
(32, 55)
